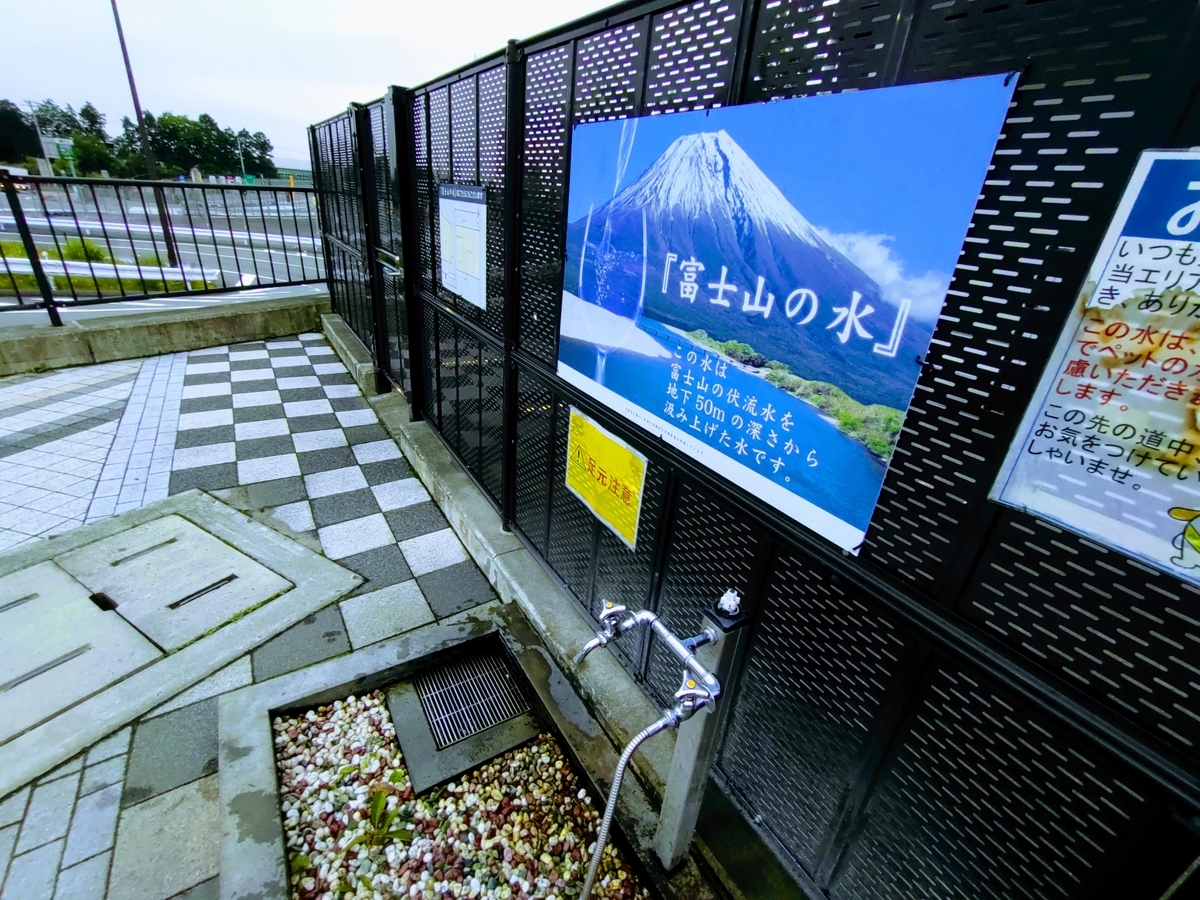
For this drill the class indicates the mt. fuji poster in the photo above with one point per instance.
(758, 285)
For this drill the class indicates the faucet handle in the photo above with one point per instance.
(691, 697)
(610, 612)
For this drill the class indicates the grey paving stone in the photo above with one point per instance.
(386, 612)
(69, 767)
(455, 588)
(380, 567)
(265, 494)
(324, 460)
(342, 507)
(235, 675)
(168, 844)
(245, 414)
(435, 550)
(312, 639)
(343, 404)
(362, 434)
(49, 813)
(292, 395)
(208, 478)
(102, 774)
(385, 471)
(12, 808)
(31, 876)
(199, 437)
(208, 890)
(413, 521)
(268, 446)
(208, 378)
(116, 743)
(8, 837)
(204, 404)
(313, 423)
(86, 881)
(94, 825)
(172, 750)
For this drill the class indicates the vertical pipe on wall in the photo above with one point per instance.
(514, 163)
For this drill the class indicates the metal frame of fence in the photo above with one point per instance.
(85, 241)
(980, 703)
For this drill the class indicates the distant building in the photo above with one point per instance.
(302, 177)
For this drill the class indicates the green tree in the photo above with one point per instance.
(57, 121)
(179, 143)
(93, 155)
(18, 139)
(93, 121)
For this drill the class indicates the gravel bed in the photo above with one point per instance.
(520, 826)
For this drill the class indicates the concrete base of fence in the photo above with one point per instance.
(37, 348)
(352, 352)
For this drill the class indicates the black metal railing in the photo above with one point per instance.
(79, 241)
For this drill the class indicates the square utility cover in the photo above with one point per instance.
(57, 646)
(173, 580)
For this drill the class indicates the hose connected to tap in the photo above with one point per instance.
(670, 720)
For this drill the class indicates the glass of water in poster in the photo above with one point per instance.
(612, 266)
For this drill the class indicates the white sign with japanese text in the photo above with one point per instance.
(778, 348)
(1110, 447)
(462, 229)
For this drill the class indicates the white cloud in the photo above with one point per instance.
(872, 254)
(269, 65)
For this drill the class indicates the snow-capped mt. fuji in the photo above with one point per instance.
(703, 174)
(705, 199)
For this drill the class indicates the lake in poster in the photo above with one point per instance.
(758, 285)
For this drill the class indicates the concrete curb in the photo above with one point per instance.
(613, 697)
(252, 856)
(253, 861)
(352, 352)
(36, 348)
(318, 582)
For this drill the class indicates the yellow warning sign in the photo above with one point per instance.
(607, 475)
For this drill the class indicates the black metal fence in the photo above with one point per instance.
(981, 704)
(78, 241)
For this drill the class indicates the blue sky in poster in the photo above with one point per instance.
(877, 162)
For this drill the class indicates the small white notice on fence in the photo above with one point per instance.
(462, 221)
(1110, 445)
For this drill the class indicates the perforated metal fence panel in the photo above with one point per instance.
(340, 200)
(979, 704)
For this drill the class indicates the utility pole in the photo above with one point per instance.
(38, 128)
(242, 157)
(147, 152)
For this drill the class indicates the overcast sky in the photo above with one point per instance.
(265, 65)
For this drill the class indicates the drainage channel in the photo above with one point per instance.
(444, 783)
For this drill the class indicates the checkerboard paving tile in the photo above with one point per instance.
(287, 413)
(280, 418)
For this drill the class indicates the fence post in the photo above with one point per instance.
(514, 168)
(39, 274)
(403, 172)
(365, 151)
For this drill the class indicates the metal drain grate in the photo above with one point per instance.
(465, 697)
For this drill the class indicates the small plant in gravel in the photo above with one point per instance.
(519, 827)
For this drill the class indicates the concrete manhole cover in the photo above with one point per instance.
(57, 646)
(173, 581)
(105, 622)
